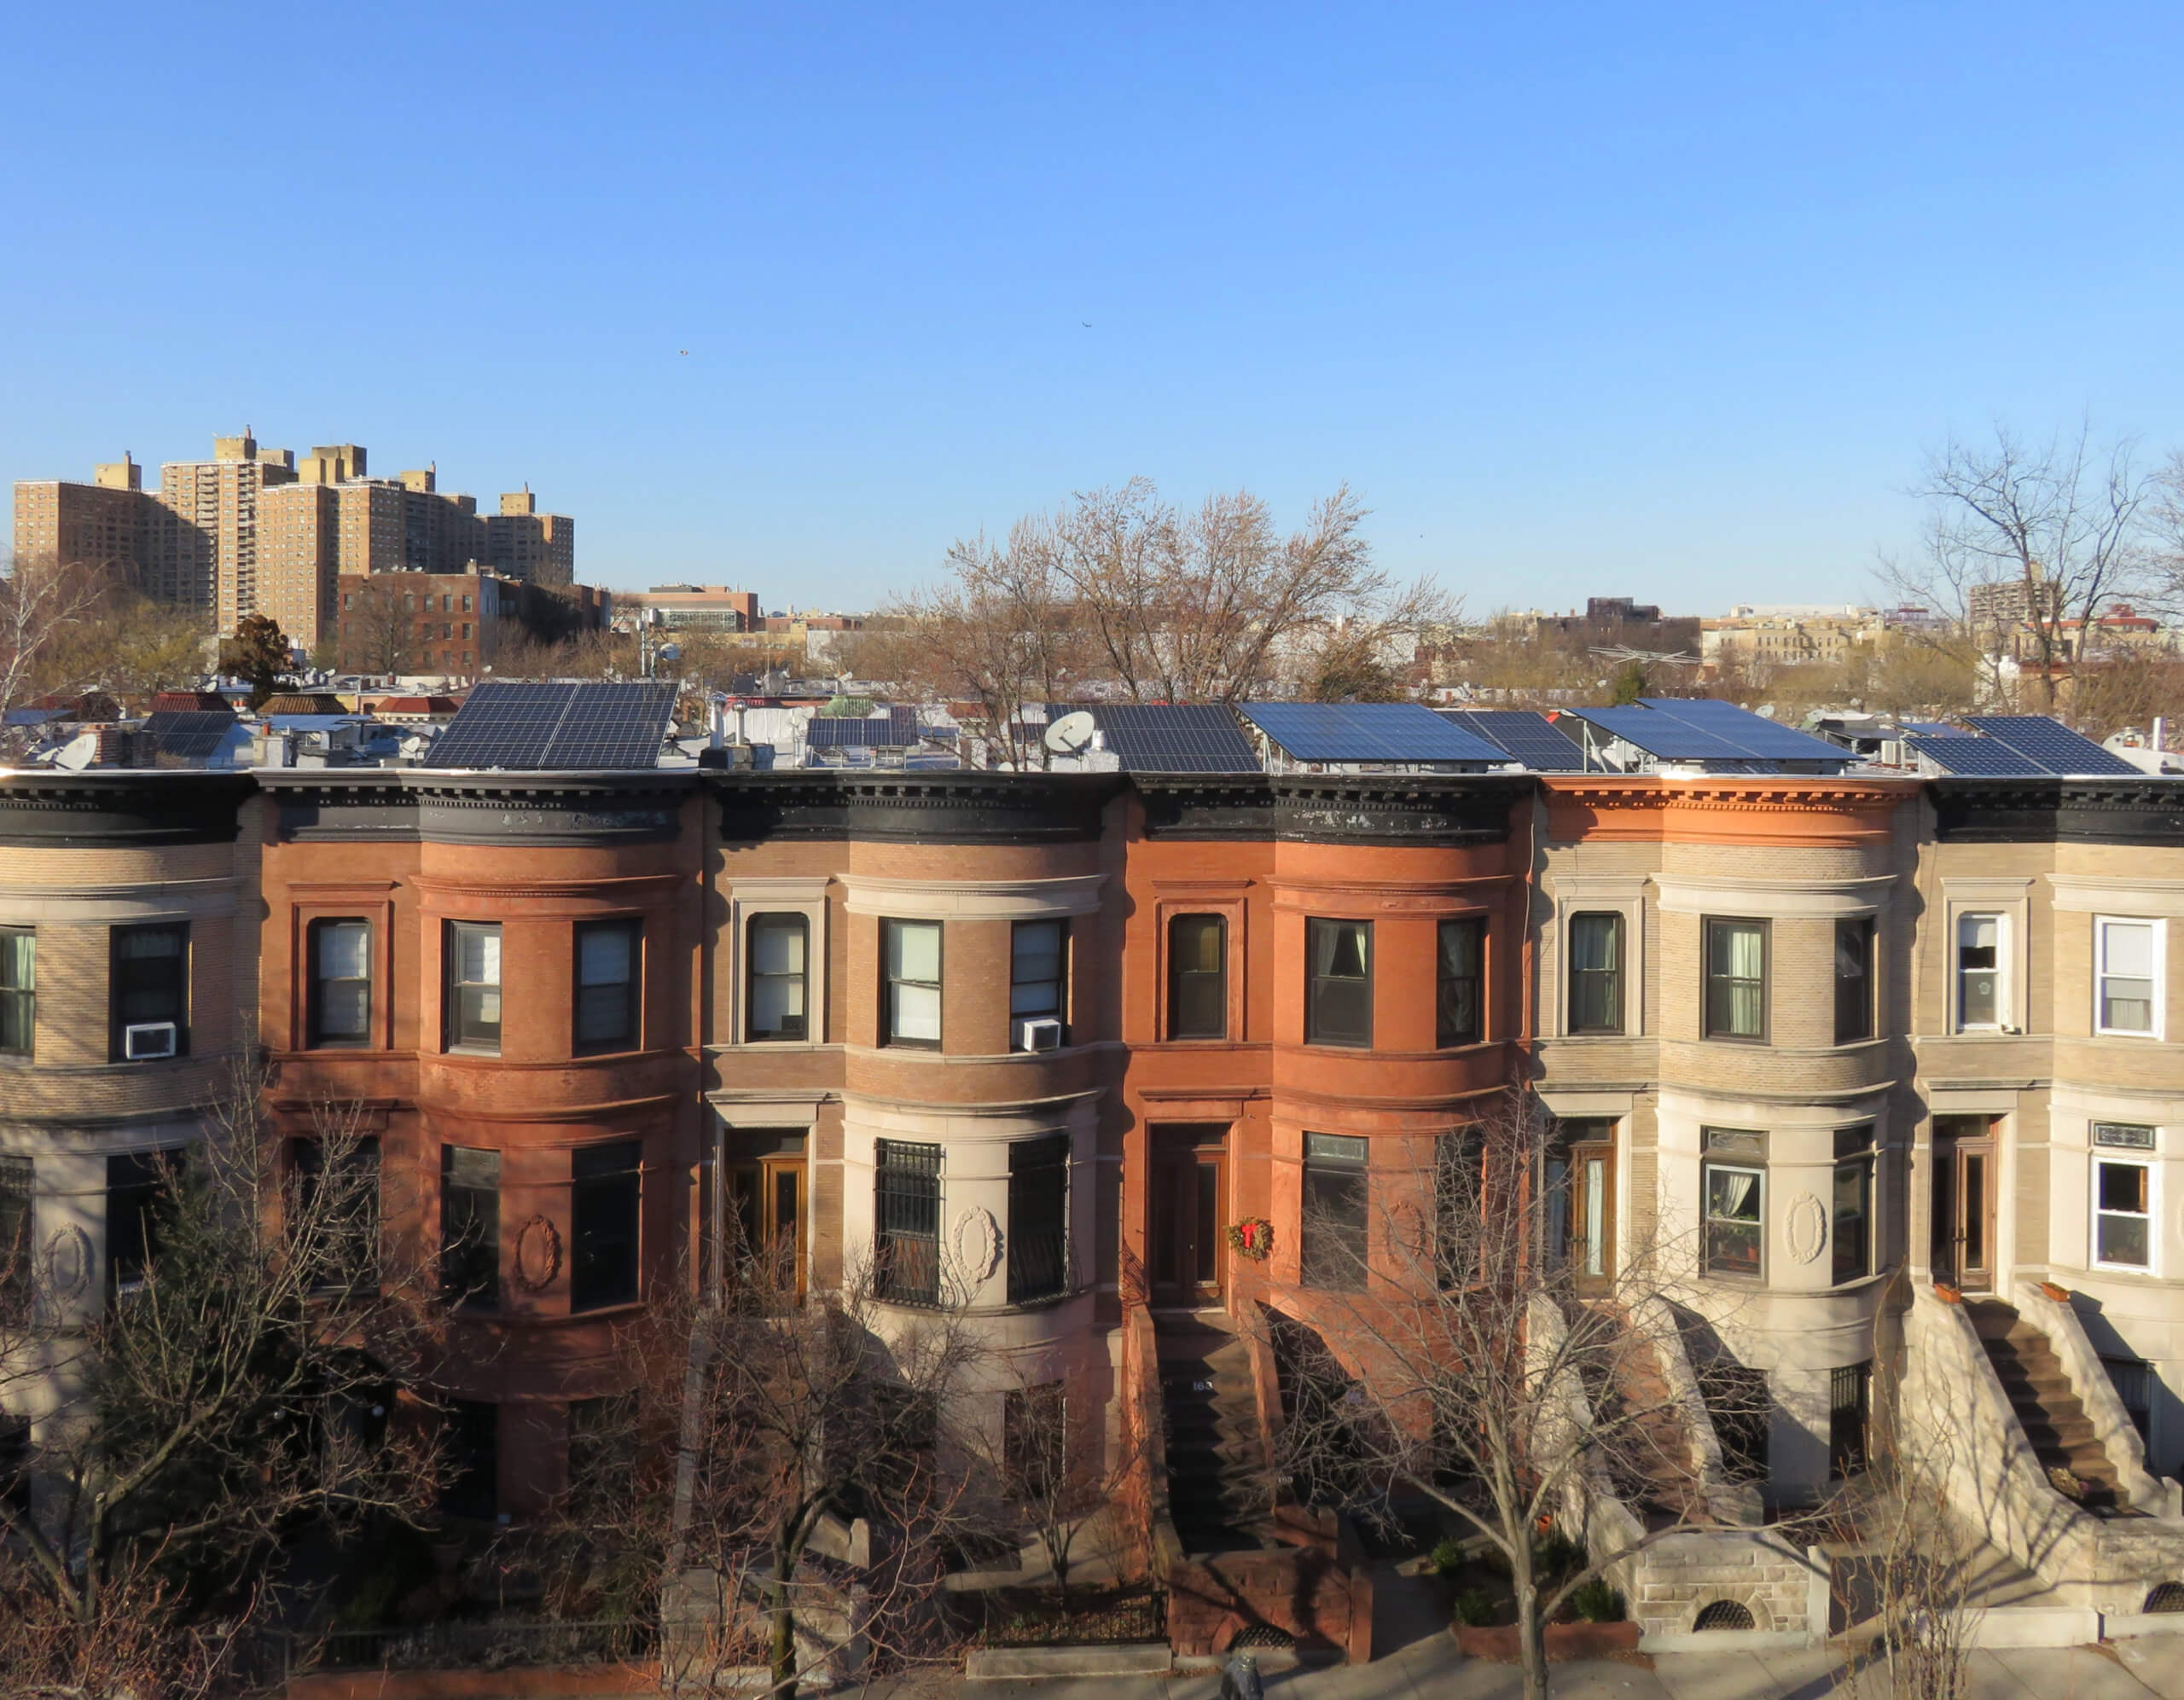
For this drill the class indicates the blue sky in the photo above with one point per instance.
(1665, 300)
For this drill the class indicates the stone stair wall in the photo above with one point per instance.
(2039, 1389)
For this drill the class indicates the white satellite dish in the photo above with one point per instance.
(1072, 733)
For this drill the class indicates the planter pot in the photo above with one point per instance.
(1564, 1641)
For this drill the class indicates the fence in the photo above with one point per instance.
(476, 1646)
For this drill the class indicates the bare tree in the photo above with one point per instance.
(232, 1374)
(1492, 1365)
(41, 603)
(777, 1483)
(2026, 542)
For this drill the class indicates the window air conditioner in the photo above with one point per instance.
(147, 1039)
(1040, 1033)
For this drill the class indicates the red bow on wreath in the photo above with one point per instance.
(1251, 1238)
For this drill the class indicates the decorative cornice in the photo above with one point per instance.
(132, 808)
(1429, 809)
(965, 807)
(1181, 806)
(2140, 810)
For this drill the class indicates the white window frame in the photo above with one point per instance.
(2005, 1019)
(751, 896)
(2158, 947)
(2123, 1158)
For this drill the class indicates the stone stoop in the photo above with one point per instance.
(2047, 1407)
(1218, 1476)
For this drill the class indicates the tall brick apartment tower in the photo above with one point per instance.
(209, 560)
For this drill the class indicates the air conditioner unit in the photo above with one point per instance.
(147, 1039)
(1040, 1033)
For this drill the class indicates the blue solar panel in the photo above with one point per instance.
(835, 733)
(1367, 731)
(1979, 757)
(2051, 744)
(1665, 736)
(1174, 737)
(1529, 737)
(1754, 734)
(514, 725)
(189, 735)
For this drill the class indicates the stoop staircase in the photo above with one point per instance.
(1219, 1480)
(2049, 1412)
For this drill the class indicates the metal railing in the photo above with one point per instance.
(478, 1646)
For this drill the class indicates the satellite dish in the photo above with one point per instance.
(1072, 732)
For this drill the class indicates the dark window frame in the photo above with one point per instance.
(1614, 1017)
(1451, 1030)
(306, 1159)
(1850, 1419)
(316, 1036)
(1188, 987)
(1037, 1233)
(629, 1036)
(470, 1228)
(18, 1235)
(606, 1224)
(457, 1030)
(1854, 1012)
(18, 1003)
(1857, 1160)
(792, 921)
(906, 1221)
(142, 1181)
(1335, 1252)
(1321, 989)
(1060, 981)
(120, 990)
(889, 1002)
(1722, 1157)
(1713, 926)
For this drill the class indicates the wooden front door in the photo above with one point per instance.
(1964, 1202)
(768, 1198)
(1581, 1197)
(1187, 1198)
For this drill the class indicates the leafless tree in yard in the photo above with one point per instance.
(766, 1430)
(40, 604)
(2062, 526)
(232, 1375)
(1491, 1366)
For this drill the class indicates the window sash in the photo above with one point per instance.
(1596, 973)
(1038, 1245)
(1036, 953)
(18, 990)
(341, 983)
(2123, 1214)
(473, 1000)
(1459, 1015)
(906, 1188)
(1851, 1220)
(1979, 989)
(913, 959)
(470, 1226)
(1335, 1240)
(1736, 979)
(1735, 1204)
(151, 979)
(2128, 974)
(1198, 977)
(1338, 986)
(779, 983)
(606, 1214)
(609, 960)
(1853, 981)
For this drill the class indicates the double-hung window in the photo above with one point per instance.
(470, 1226)
(1339, 983)
(2123, 1197)
(1851, 1228)
(778, 985)
(138, 1187)
(1038, 952)
(1336, 1195)
(474, 986)
(1596, 973)
(607, 1184)
(18, 990)
(1037, 1239)
(16, 1175)
(912, 950)
(150, 990)
(2127, 977)
(1854, 980)
(1850, 1414)
(1736, 979)
(1980, 998)
(1198, 977)
(341, 993)
(1733, 1185)
(610, 962)
(906, 1207)
(1459, 982)
(338, 1200)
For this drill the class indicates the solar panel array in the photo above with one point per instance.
(897, 729)
(1527, 736)
(1367, 731)
(1974, 757)
(1729, 739)
(1174, 737)
(2049, 743)
(1754, 734)
(535, 728)
(189, 735)
(1665, 736)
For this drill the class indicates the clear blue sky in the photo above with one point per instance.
(1663, 300)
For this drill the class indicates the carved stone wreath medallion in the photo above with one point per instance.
(68, 1261)
(537, 1254)
(1807, 1228)
(978, 1244)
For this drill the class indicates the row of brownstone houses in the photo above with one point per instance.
(1876, 1037)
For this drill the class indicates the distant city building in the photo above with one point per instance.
(698, 607)
(208, 559)
(539, 548)
(452, 624)
(2011, 601)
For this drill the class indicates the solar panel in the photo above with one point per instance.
(517, 725)
(877, 732)
(2053, 745)
(1754, 734)
(1367, 731)
(1174, 737)
(1976, 757)
(1529, 737)
(189, 735)
(1931, 728)
(1665, 736)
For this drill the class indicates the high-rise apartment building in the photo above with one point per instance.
(539, 548)
(208, 559)
(109, 520)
